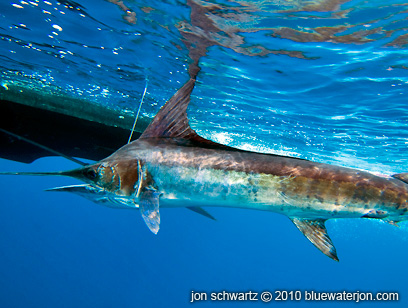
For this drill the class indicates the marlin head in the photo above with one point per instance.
(110, 178)
(118, 184)
(118, 178)
(106, 183)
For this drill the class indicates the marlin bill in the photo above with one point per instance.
(170, 165)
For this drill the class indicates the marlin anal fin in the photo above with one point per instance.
(201, 211)
(316, 232)
(149, 208)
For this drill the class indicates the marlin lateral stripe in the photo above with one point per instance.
(170, 165)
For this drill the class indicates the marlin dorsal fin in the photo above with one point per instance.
(171, 121)
(401, 176)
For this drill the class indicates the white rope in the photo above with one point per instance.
(138, 111)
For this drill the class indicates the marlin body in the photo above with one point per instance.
(171, 166)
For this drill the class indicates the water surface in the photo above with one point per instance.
(321, 80)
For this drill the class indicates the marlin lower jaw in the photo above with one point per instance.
(98, 195)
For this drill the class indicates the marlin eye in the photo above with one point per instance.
(90, 174)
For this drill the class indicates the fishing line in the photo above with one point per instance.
(43, 147)
(138, 111)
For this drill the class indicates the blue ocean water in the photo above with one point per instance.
(321, 80)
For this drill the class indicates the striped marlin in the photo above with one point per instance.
(170, 165)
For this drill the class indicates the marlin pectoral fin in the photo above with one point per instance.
(316, 232)
(149, 208)
(201, 211)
